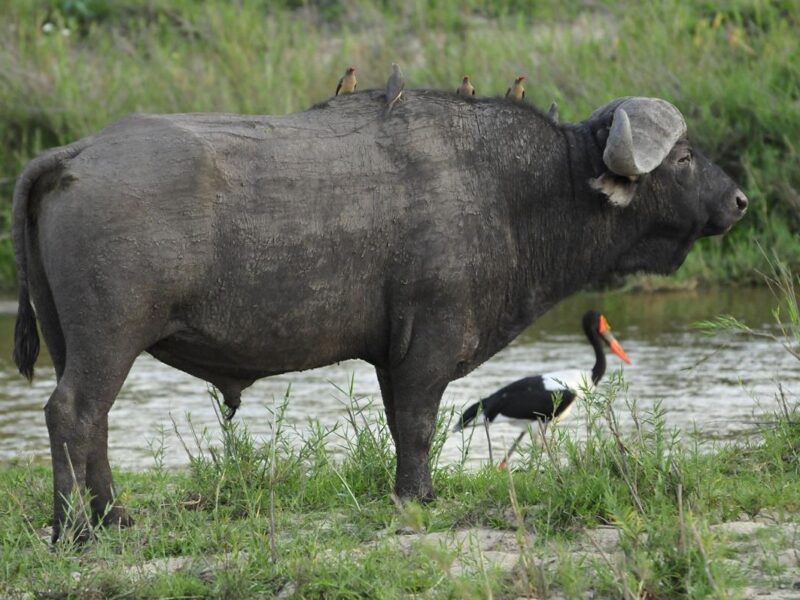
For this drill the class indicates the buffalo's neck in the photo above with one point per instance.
(566, 235)
(587, 231)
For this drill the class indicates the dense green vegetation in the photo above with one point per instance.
(69, 67)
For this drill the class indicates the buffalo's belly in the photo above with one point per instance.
(204, 357)
(240, 336)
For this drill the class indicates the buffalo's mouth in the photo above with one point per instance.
(715, 229)
(731, 212)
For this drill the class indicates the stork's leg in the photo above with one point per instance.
(488, 440)
(504, 463)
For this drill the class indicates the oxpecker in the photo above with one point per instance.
(553, 111)
(394, 86)
(466, 88)
(347, 82)
(516, 91)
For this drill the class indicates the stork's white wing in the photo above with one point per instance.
(574, 380)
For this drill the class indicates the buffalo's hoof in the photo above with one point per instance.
(117, 517)
(423, 496)
(72, 533)
(427, 498)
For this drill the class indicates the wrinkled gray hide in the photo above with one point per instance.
(237, 247)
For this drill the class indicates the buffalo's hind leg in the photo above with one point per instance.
(100, 482)
(76, 416)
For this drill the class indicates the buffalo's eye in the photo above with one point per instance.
(685, 159)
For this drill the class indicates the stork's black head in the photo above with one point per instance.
(597, 328)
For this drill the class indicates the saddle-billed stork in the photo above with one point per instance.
(533, 399)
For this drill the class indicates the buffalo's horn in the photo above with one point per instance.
(643, 131)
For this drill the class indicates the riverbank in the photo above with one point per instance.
(642, 515)
(71, 68)
(729, 378)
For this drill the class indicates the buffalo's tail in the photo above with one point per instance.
(26, 336)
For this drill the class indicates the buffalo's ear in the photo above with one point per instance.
(618, 189)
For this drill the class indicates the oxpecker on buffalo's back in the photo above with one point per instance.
(394, 86)
(552, 112)
(516, 91)
(348, 82)
(466, 88)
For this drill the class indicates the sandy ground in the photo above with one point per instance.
(766, 549)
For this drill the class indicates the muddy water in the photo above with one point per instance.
(714, 385)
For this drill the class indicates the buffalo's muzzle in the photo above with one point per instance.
(732, 209)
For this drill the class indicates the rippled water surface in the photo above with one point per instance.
(715, 384)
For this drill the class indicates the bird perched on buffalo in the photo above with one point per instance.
(466, 88)
(517, 91)
(347, 82)
(553, 112)
(394, 86)
(550, 397)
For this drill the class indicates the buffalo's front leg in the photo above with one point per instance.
(427, 350)
(416, 404)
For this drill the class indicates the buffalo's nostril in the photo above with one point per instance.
(741, 202)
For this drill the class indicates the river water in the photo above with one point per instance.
(717, 386)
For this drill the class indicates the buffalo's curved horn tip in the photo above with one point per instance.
(643, 131)
(618, 154)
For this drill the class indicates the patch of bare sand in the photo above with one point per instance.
(766, 549)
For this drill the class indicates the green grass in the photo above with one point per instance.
(328, 506)
(734, 72)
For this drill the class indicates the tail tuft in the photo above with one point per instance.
(26, 337)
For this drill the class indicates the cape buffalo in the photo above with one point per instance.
(421, 241)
